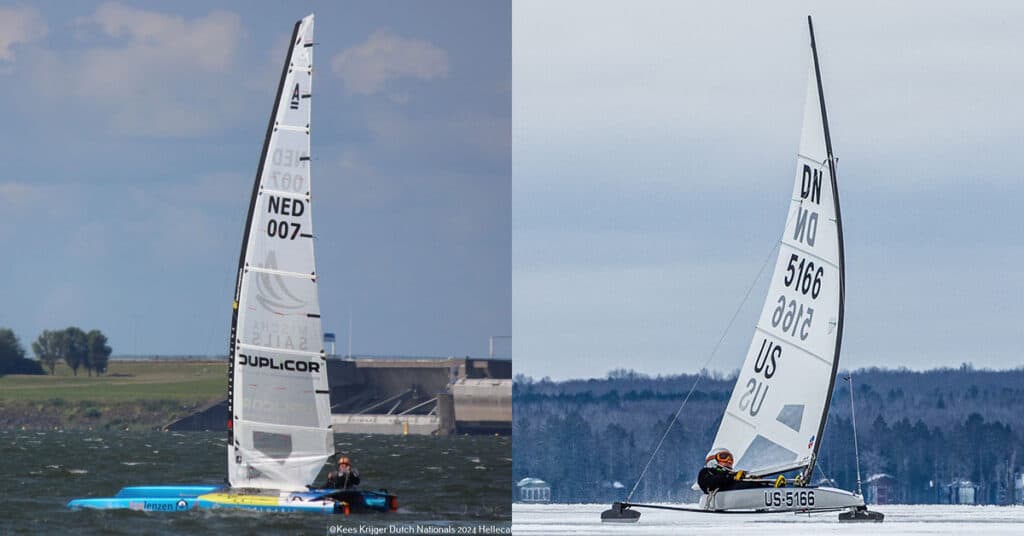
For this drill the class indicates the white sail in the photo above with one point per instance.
(776, 413)
(278, 391)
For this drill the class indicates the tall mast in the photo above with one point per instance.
(842, 262)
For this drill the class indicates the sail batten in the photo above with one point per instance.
(280, 427)
(813, 255)
(285, 273)
(283, 193)
(776, 414)
(797, 346)
(253, 347)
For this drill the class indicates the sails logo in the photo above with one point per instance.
(272, 292)
(292, 365)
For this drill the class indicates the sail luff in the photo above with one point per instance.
(841, 254)
(233, 342)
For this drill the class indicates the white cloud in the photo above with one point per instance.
(368, 67)
(207, 42)
(19, 25)
(146, 81)
(153, 74)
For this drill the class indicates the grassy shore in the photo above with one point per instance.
(132, 394)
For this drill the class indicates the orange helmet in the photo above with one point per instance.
(719, 458)
(344, 460)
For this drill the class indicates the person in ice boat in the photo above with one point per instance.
(718, 475)
(345, 477)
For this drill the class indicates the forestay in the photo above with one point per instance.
(777, 410)
(278, 393)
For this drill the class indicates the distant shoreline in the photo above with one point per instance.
(139, 394)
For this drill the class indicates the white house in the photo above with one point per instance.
(534, 490)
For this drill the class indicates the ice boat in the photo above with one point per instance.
(776, 415)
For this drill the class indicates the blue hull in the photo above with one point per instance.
(144, 504)
(183, 498)
(165, 491)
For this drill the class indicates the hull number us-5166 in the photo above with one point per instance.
(789, 499)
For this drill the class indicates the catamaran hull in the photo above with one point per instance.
(323, 500)
(142, 504)
(147, 499)
(797, 499)
(182, 498)
(282, 502)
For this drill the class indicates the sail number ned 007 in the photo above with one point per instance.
(789, 498)
(284, 206)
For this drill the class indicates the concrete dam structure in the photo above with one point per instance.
(404, 396)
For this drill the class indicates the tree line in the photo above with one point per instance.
(590, 439)
(77, 348)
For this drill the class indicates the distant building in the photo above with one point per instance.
(963, 492)
(1018, 489)
(329, 341)
(534, 490)
(880, 488)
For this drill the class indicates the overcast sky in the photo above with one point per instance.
(654, 152)
(131, 137)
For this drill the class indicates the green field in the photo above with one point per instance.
(182, 381)
(132, 394)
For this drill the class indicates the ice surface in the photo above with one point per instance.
(899, 519)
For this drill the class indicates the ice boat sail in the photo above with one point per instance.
(279, 415)
(776, 415)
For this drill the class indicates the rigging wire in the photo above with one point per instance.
(714, 350)
(820, 466)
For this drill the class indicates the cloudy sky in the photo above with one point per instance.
(654, 150)
(131, 137)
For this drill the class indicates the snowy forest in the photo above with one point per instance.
(590, 439)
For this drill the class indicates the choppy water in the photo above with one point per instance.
(440, 481)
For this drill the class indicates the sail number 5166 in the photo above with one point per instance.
(789, 499)
(790, 314)
(803, 277)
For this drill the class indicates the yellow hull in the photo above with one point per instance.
(279, 502)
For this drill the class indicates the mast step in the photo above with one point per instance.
(620, 513)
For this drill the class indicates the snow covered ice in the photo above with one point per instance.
(899, 519)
